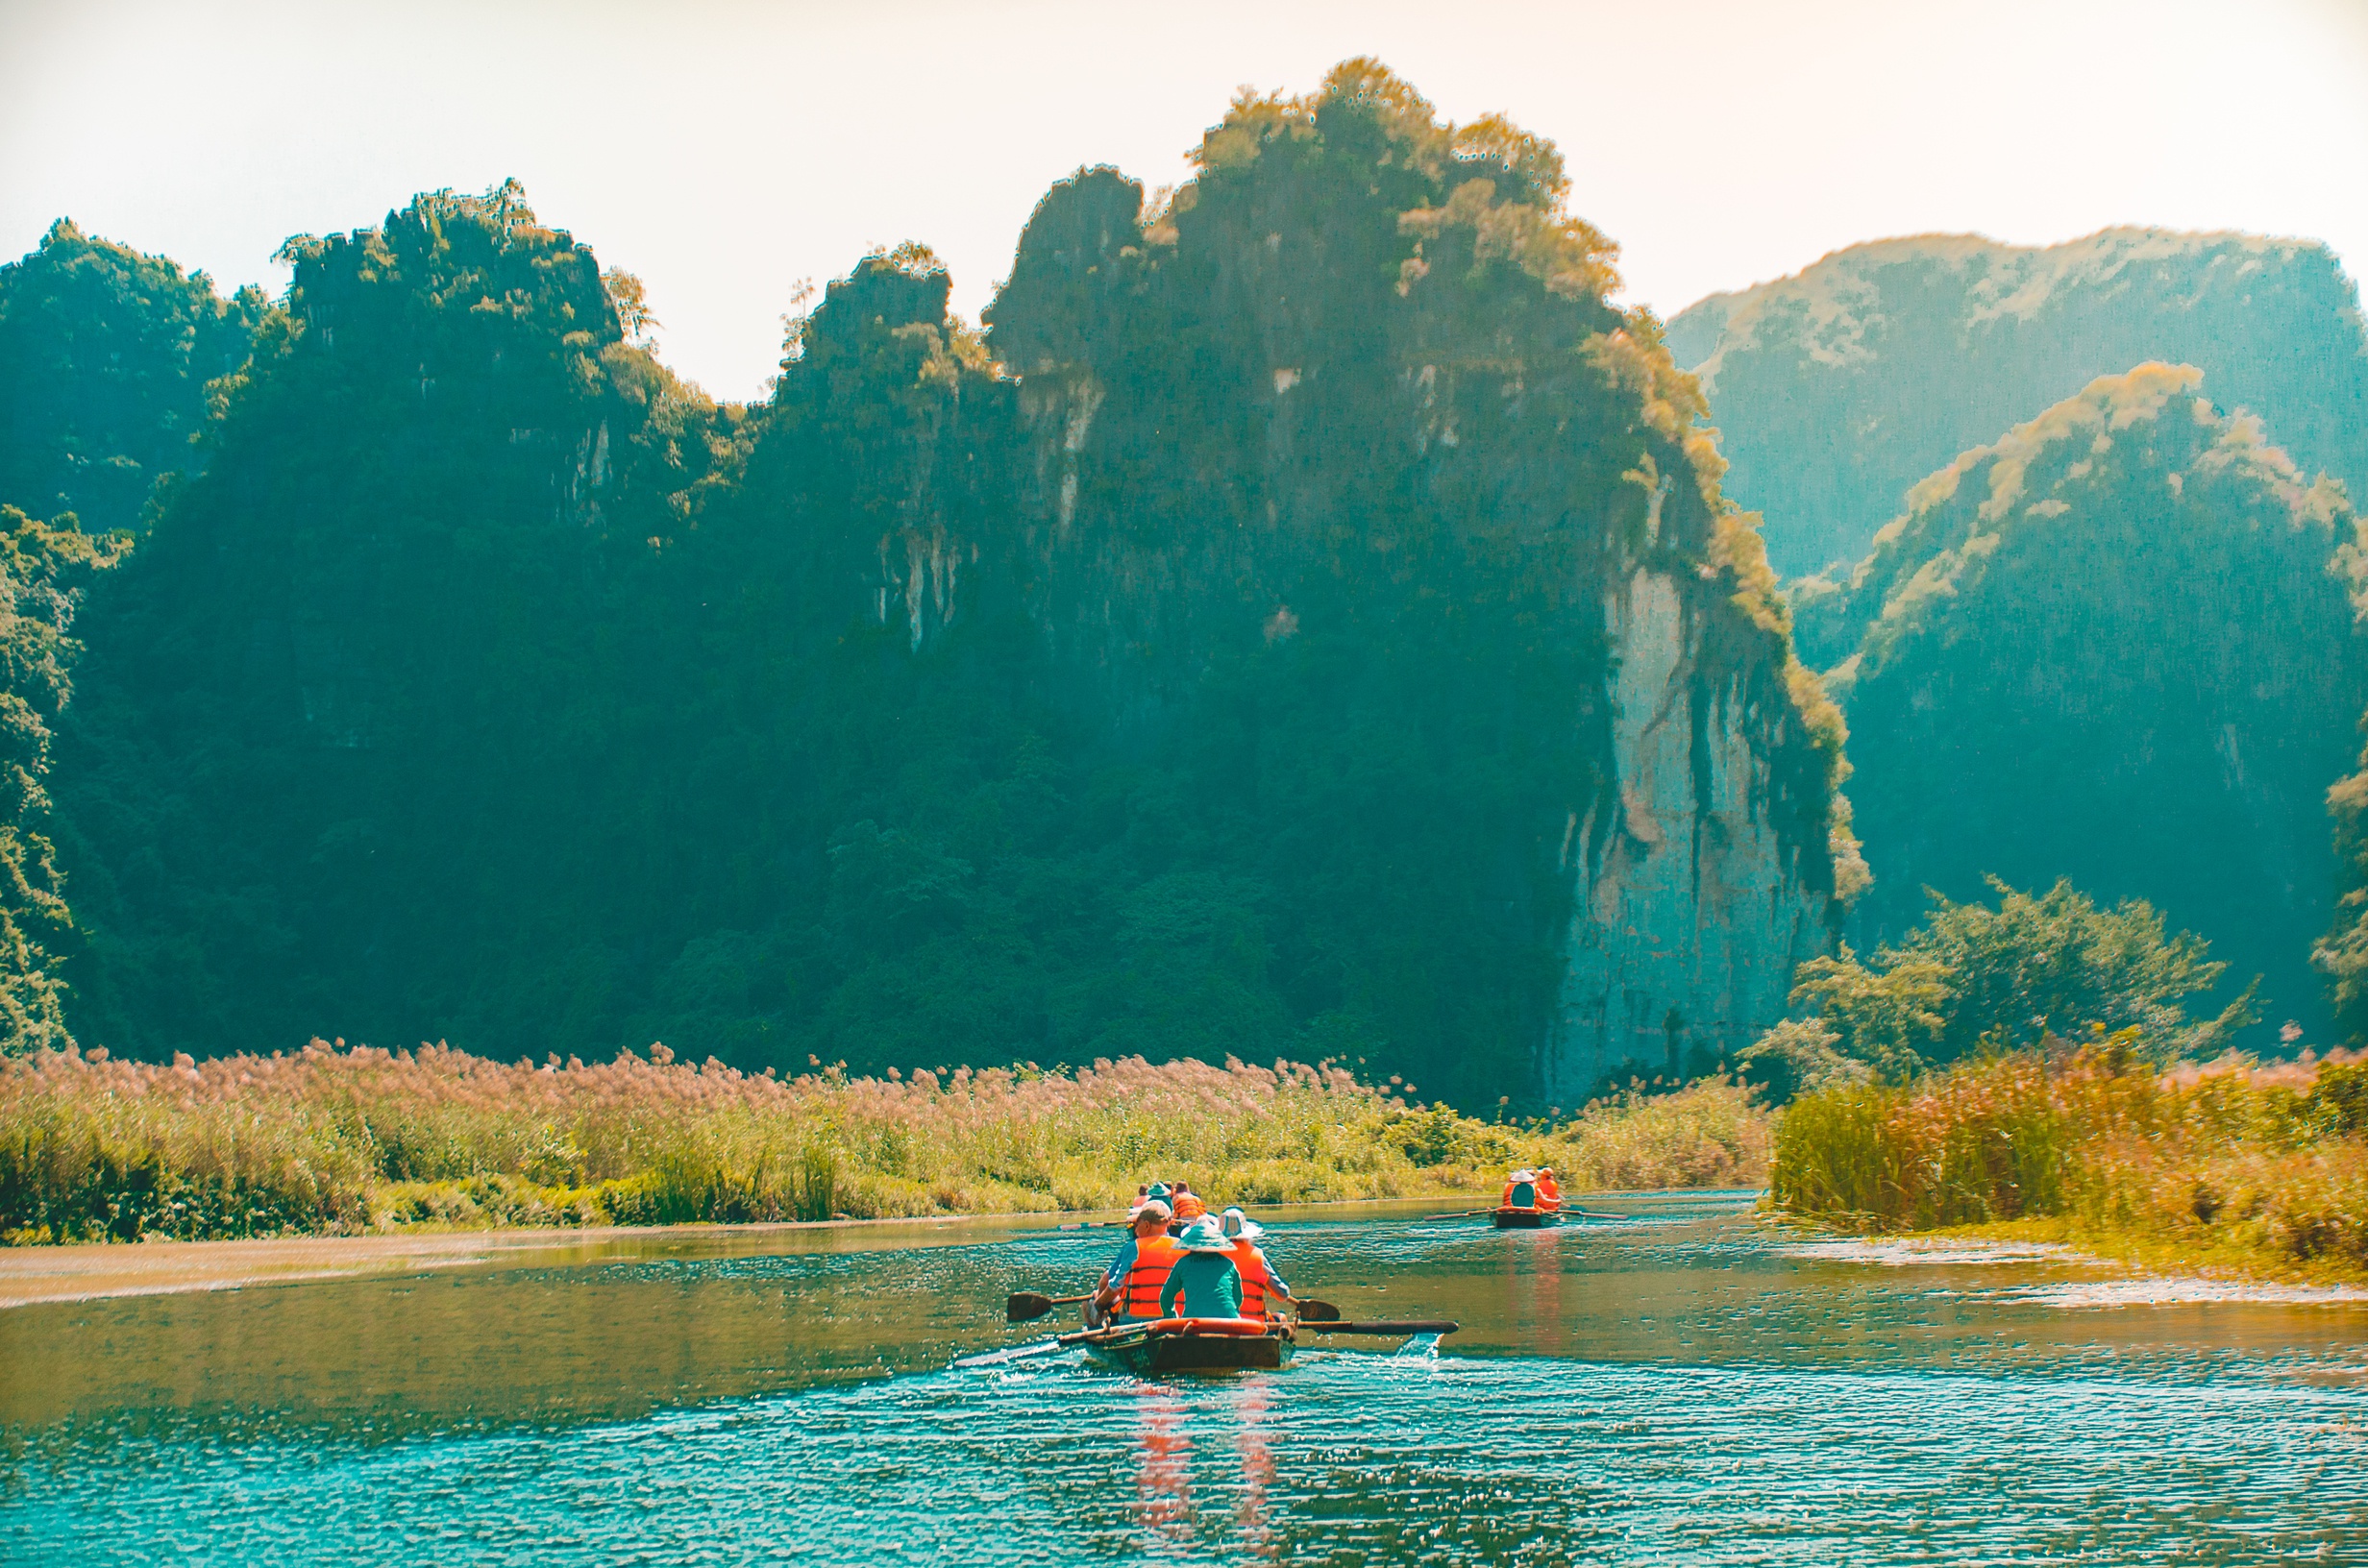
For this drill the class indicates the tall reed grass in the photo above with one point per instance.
(2225, 1160)
(333, 1141)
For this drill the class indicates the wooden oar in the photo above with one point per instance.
(1311, 1310)
(1026, 1306)
(1566, 1213)
(1043, 1347)
(1411, 1326)
(1016, 1353)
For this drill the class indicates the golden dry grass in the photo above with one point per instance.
(342, 1142)
(2223, 1164)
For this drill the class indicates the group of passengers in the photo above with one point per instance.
(1533, 1189)
(1181, 1261)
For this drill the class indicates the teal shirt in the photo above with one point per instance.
(1208, 1282)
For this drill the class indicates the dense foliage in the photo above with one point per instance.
(324, 1140)
(2342, 954)
(336, 747)
(42, 572)
(1838, 389)
(105, 360)
(1974, 980)
(1210, 658)
(2118, 646)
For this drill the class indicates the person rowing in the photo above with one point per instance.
(1262, 1288)
(1130, 1286)
(1550, 1190)
(1203, 1282)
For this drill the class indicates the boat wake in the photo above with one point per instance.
(1903, 1252)
(2186, 1292)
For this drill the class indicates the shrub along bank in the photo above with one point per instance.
(2263, 1170)
(329, 1140)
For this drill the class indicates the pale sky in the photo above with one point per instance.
(725, 149)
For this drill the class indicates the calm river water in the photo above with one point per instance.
(1685, 1387)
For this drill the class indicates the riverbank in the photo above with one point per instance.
(95, 1270)
(328, 1142)
(2194, 1257)
(2227, 1167)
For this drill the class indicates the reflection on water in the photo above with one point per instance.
(1681, 1388)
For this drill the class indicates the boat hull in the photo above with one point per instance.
(1188, 1346)
(1526, 1219)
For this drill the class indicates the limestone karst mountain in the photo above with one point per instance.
(1836, 389)
(2117, 645)
(1307, 620)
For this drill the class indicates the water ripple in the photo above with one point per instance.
(1677, 1388)
(1349, 1459)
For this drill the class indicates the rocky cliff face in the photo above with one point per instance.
(1838, 387)
(1691, 911)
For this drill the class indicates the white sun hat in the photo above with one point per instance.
(1236, 1223)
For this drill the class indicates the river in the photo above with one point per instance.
(1686, 1385)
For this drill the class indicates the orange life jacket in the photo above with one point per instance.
(1549, 1193)
(1251, 1264)
(1519, 1195)
(1188, 1208)
(1155, 1257)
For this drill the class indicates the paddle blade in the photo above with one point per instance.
(1311, 1310)
(1014, 1353)
(1025, 1307)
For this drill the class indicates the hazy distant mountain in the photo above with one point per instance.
(1837, 389)
(2116, 644)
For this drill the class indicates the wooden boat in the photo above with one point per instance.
(1191, 1344)
(1524, 1208)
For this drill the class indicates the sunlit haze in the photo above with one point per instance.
(725, 152)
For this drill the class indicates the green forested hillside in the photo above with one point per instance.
(1838, 389)
(105, 356)
(335, 745)
(1211, 658)
(2116, 646)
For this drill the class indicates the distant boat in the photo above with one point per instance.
(1522, 1210)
